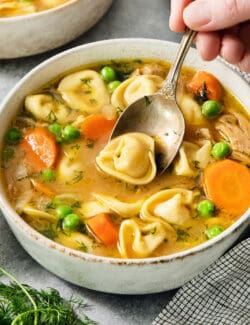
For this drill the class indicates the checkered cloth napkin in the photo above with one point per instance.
(220, 295)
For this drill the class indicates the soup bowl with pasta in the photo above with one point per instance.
(35, 26)
(97, 212)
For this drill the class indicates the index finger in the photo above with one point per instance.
(176, 22)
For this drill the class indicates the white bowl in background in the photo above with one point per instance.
(45, 30)
(125, 276)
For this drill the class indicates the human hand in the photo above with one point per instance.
(223, 28)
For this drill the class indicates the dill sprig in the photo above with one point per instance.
(21, 304)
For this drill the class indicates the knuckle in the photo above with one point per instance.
(233, 8)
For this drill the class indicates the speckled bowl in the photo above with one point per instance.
(45, 30)
(126, 276)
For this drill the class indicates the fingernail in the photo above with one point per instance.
(197, 14)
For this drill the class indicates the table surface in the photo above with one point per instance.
(126, 18)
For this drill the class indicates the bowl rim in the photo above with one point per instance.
(38, 14)
(9, 212)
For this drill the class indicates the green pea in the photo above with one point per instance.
(206, 208)
(70, 133)
(63, 210)
(55, 128)
(211, 108)
(220, 150)
(13, 136)
(71, 222)
(113, 85)
(48, 175)
(214, 231)
(108, 74)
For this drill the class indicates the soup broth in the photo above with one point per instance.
(105, 198)
(10, 8)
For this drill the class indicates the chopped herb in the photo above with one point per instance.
(51, 117)
(75, 146)
(76, 204)
(56, 96)
(90, 143)
(86, 82)
(139, 61)
(150, 232)
(82, 228)
(78, 176)
(87, 92)
(53, 203)
(8, 153)
(119, 109)
(92, 100)
(147, 100)
(49, 233)
(82, 246)
(182, 235)
(196, 164)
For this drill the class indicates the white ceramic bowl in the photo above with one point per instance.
(126, 276)
(45, 30)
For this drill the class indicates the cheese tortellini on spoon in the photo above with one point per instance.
(130, 158)
(85, 91)
(134, 88)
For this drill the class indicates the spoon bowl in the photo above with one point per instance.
(158, 115)
(166, 126)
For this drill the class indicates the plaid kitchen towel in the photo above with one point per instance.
(220, 295)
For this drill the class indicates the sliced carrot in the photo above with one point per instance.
(103, 228)
(204, 81)
(39, 187)
(95, 126)
(227, 184)
(40, 147)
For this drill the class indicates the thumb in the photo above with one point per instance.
(211, 15)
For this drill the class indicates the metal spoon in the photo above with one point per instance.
(158, 115)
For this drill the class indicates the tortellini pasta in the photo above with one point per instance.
(191, 110)
(140, 241)
(124, 209)
(84, 91)
(130, 158)
(69, 168)
(44, 108)
(91, 208)
(29, 210)
(192, 158)
(172, 206)
(134, 88)
(76, 240)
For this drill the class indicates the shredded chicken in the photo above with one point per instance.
(235, 128)
(204, 134)
(150, 68)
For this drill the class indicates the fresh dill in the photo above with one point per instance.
(182, 235)
(90, 143)
(86, 82)
(21, 304)
(52, 117)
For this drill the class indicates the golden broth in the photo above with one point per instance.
(10, 8)
(75, 179)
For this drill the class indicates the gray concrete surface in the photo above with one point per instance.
(126, 18)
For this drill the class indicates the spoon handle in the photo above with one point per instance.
(170, 84)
